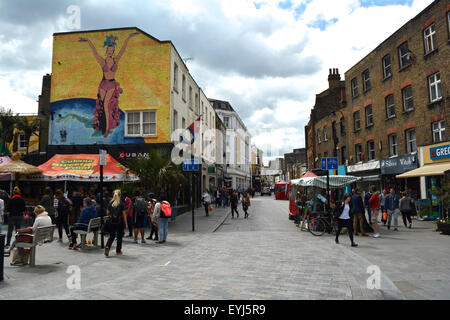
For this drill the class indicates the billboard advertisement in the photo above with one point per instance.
(109, 87)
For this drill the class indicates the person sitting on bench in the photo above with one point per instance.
(89, 212)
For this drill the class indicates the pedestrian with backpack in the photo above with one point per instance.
(117, 222)
(406, 208)
(140, 211)
(163, 209)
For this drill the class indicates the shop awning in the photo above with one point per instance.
(81, 167)
(437, 169)
(321, 181)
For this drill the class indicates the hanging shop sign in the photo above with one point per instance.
(398, 165)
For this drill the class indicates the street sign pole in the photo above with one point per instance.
(102, 162)
(192, 200)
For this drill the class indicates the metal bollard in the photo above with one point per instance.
(2, 257)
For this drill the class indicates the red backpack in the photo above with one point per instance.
(166, 210)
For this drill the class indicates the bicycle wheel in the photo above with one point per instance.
(317, 226)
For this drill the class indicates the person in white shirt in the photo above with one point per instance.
(206, 201)
(345, 221)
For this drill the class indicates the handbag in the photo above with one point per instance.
(25, 235)
(384, 217)
(210, 208)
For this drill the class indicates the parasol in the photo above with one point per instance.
(19, 167)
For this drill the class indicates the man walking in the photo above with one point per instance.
(392, 205)
(374, 206)
(234, 204)
(357, 206)
(140, 211)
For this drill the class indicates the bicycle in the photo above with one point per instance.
(321, 224)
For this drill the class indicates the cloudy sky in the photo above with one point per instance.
(268, 58)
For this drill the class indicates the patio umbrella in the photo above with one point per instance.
(19, 167)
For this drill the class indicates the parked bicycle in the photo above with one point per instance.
(321, 224)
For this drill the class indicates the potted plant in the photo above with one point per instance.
(443, 225)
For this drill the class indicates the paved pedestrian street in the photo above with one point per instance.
(263, 257)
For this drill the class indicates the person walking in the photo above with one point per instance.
(129, 208)
(62, 215)
(234, 204)
(206, 201)
(47, 203)
(117, 222)
(345, 220)
(358, 212)
(225, 197)
(163, 221)
(374, 205)
(140, 211)
(15, 209)
(239, 191)
(153, 222)
(367, 196)
(383, 196)
(245, 204)
(156, 215)
(87, 214)
(218, 197)
(392, 205)
(406, 208)
(77, 206)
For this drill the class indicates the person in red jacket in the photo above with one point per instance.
(374, 203)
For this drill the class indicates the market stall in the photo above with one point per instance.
(282, 190)
(293, 208)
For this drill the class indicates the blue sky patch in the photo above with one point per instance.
(381, 3)
(287, 4)
(322, 24)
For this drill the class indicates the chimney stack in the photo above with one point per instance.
(334, 78)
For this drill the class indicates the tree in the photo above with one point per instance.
(28, 128)
(158, 172)
(7, 125)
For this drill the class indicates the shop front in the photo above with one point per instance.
(434, 161)
(391, 167)
(369, 173)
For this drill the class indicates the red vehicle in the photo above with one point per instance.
(282, 189)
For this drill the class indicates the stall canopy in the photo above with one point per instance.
(437, 169)
(81, 167)
(321, 182)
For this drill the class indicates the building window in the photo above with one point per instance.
(393, 145)
(183, 123)
(342, 122)
(429, 38)
(175, 77)
(226, 121)
(196, 103)
(333, 130)
(357, 120)
(175, 120)
(434, 85)
(140, 123)
(369, 116)
(411, 141)
(183, 88)
(319, 138)
(408, 103)
(354, 87)
(190, 98)
(371, 150)
(366, 80)
(358, 150)
(387, 66)
(438, 131)
(325, 133)
(390, 107)
(343, 154)
(404, 55)
(22, 142)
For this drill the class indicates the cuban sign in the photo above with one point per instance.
(440, 152)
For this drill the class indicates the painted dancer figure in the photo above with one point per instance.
(106, 112)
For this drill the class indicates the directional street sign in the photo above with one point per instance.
(191, 165)
(330, 163)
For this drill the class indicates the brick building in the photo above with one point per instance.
(398, 98)
(325, 120)
(293, 162)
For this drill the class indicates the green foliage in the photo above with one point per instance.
(158, 172)
(7, 125)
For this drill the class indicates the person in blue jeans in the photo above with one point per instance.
(392, 205)
(163, 223)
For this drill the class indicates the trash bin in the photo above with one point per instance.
(2, 257)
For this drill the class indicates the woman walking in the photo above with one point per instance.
(345, 220)
(117, 222)
(245, 204)
(234, 204)
(63, 212)
(406, 208)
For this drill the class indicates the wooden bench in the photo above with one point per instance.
(40, 236)
(93, 226)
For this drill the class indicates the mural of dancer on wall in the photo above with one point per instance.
(106, 112)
